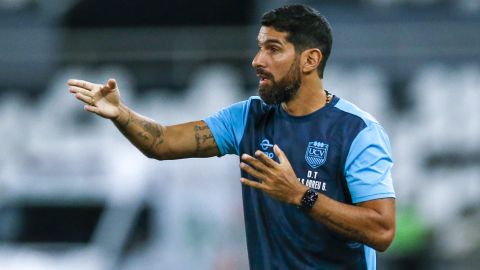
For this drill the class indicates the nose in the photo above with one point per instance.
(257, 60)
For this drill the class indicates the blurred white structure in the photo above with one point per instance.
(54, 151)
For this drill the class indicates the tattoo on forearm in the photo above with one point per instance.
(346, 230)
(198, 127)
(143, 136)
(138, 129)
(155, 131)
(203, 139)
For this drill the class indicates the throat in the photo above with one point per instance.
(301, 106)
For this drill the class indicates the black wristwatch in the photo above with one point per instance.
(308, 200)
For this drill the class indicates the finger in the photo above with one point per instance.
(83, 84)
(265, 159)
(91, 108)
(105, 89)
(109, 87)
(112, 83)
(254, 163)
(75, 89)
(251, 183)
(280, 154)
(252, 171)
(86, 99)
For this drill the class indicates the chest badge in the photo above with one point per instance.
(316, 154)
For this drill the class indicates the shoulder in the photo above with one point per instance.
(359, 127)
(366, 130)
(355, 114)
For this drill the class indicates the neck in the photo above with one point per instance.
(310, 97)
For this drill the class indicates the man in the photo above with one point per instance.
(317, 189)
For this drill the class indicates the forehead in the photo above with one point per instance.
(269, 34)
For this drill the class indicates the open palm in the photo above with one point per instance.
(103, 100)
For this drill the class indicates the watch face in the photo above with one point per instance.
(309, 199)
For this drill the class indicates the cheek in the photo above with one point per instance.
(280, 64)
(282, 70)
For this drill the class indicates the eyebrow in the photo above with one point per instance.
(269, 41)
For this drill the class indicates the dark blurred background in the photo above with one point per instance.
(74, 194)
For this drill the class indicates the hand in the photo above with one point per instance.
(276, 179)
(103, 100)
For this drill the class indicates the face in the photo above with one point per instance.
(277, 65)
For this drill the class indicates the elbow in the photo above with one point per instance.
(384, 240)
(157, 153)
(150, 154)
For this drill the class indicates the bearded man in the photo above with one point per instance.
(316, 183)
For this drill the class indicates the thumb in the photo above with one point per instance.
(112, 83)
(280, 154)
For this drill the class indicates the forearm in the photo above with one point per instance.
(367, 225)
(192, 139)
(145, 134)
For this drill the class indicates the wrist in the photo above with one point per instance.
(297, 199)
(308, 200)
(123, 115)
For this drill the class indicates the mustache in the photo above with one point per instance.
(263, 73)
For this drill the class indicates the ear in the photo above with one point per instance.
(311, 60)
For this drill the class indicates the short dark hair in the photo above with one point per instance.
(306, 29)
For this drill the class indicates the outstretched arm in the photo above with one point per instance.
(193, 139)
(371, 222)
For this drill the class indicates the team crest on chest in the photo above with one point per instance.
(316, 154)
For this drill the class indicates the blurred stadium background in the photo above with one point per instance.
(74, 194)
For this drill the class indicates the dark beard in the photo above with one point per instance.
(285, 89)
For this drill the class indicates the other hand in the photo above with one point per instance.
(276, 179)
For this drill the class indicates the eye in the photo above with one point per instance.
(273, 49)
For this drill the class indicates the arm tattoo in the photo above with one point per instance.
(203, 138)
(143, 136)
(155, 132)
(150, 132)
(139, 129)
(346, 230)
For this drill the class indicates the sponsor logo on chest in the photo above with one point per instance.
(265, 145)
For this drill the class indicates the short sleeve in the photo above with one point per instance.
(227, 126)
(368, 165)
